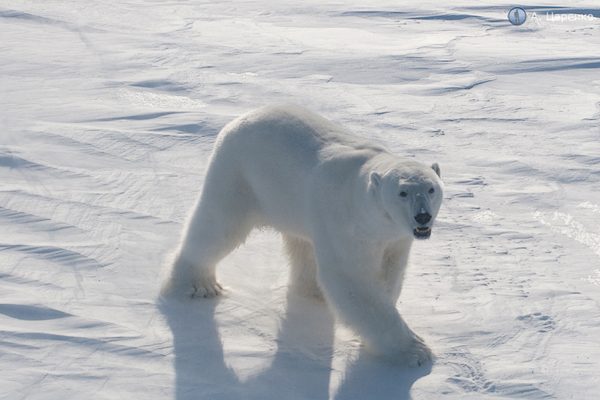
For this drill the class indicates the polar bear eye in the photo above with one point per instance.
(403, 194)
(431, 190)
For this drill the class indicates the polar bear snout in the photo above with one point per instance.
(423, 218)
(422, 232)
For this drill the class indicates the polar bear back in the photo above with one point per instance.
(281, 152)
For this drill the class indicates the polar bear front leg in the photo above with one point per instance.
(393, 266)
(349, 277)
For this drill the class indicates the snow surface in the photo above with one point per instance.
(108, 112)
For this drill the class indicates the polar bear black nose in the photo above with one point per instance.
(423, 218)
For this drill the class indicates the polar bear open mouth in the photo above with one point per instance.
(422, 232)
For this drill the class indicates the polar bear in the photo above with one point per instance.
(347, 208)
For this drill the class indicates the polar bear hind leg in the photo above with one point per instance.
(303, 267)
(222, 220)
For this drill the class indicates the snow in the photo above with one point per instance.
(108, 114)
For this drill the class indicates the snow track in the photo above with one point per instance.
(108, 114)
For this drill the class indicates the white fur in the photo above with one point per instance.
(336, 199)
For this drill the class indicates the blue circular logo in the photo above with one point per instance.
(517, 16)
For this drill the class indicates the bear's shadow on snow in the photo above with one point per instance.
(301, 368)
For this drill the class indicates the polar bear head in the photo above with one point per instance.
(411, 194)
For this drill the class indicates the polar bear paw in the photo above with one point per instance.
(412, 353)
(190, 289)
(417, 354)
(205, 290)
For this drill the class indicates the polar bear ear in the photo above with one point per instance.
(436, 168)
(375, 179)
